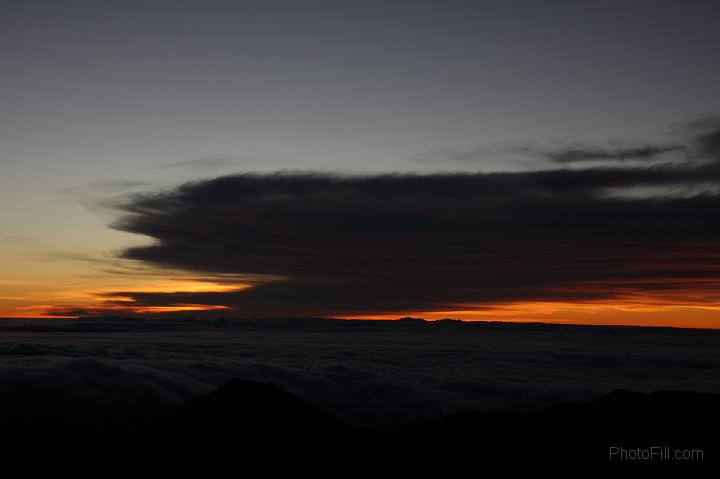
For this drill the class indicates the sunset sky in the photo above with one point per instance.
(549, 161)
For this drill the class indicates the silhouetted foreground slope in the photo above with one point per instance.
(254, 418)
(253, 407)
(247, 424)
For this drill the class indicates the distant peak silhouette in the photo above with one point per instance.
(259, 407)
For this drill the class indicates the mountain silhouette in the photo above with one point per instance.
(254, 407)
(249, 425)
(264, 422)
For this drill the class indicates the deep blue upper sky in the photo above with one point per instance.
(98, 89)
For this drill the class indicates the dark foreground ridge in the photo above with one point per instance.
(255, 424)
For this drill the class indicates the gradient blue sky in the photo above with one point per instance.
(99, 97)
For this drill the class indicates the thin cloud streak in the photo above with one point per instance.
(209, 163)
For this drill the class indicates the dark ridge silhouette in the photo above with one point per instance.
(252, 406)
(245, 425)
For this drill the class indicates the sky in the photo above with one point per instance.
(516, 160)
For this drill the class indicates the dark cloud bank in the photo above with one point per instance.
(363, 244)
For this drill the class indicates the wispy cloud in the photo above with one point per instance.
(610, 153)
(211, 163)
(695, 140)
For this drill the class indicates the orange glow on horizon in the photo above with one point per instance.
(607, 313)
(536, 312)
(175, 309)
(693, 304)
(41, 301)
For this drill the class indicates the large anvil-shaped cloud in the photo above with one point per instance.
(333, 245)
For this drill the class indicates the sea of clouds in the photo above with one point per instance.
(366, 373)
